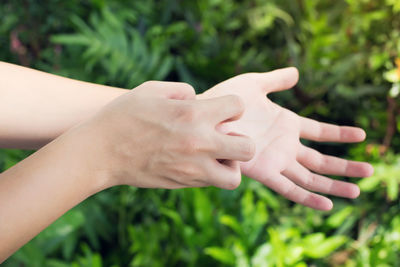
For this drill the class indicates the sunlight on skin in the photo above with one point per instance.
(281, 162)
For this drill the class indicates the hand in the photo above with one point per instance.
(155, 136)
(152, 138)
(281, 162)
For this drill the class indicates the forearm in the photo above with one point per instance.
(44, 186)
(36, 107)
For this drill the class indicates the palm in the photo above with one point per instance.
(281, 161)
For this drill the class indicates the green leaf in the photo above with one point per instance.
(56, 263)
(240, 253)
(278, 246)
(370, 184)
(231, 222)
(176, 218)
(203, 209)
(324, 248)
(336, 219)
(393, 186)
(221, 254)
(248, 207)
(70, 39)
(262, 255)
(313, 239)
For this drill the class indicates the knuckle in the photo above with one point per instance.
(308, 181)
(187, 170)
(191, 144)
(186, 113)
(187, 87)
(288, 191)
(321, 161)
(237, 102)
(148, 83)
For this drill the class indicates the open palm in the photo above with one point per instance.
(281, 162)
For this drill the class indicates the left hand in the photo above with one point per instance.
(281, 162)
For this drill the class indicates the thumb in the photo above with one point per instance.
(278, 80)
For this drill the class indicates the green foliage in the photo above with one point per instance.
(346, 52)
(126, 57)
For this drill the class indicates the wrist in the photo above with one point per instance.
(84, 147)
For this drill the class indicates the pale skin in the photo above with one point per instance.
(157, 136)
(281, 162)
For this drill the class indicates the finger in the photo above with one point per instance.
(171, 90)
(225, 174)
(325, 164)
(317, 183)
(278, 80)
(234, 147)
(325, 132)
(282, 185)
(221, 109)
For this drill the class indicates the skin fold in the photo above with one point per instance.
(159, 135)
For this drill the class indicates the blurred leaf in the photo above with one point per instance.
(325, 247)
(232, 223)
(369, 184)
(203, 208)
(221, 254)
(336, 219)
(393, 187)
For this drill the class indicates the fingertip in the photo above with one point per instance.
(249, 148)
(359, 169)
(354, 191)
(295, 74)
(292, 76)
(319, 202)
(327, 205)
(362, 134)
(279, 80)
(235, 178)
(369, 170)
(232, 184)
(357, 134)
(353, 134)
(225, 174)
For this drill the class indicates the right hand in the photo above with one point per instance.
(281, 161)
(159, 136)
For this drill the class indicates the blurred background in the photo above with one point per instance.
(348, 54)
